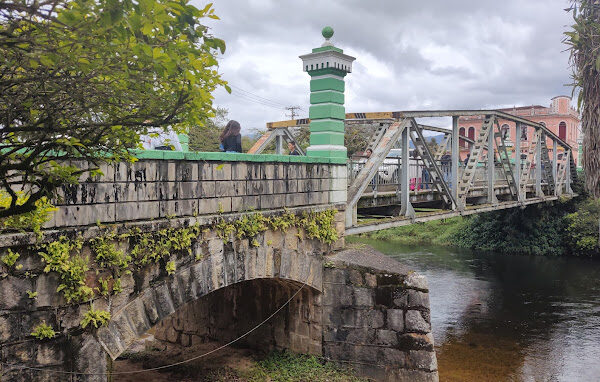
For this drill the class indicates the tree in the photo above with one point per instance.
(83, 79)
(205, 137)
(584, 43)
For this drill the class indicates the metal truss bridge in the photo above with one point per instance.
(404, 180)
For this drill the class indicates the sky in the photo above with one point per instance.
(410, 55)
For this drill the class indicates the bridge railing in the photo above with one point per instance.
(388, 179)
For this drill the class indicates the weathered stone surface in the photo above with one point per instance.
(13, 291)
(417, 281)
(417, 299)
(387, 337)
(395, 320)
(416, 341)
(363, 297)
(422, 359)
(415, 322)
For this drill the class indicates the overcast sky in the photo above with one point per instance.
(410, 55)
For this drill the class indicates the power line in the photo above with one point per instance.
(172, 364)
(253, 95)
(256, 101)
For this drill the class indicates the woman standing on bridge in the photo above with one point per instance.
(231, 139)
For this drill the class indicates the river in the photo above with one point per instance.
(509, 318)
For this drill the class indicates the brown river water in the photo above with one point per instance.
(509, 318)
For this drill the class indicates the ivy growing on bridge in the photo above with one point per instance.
(114, 255)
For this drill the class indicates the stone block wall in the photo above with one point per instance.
(151, 189)
(280, 262)
(376, 317)
(226, 314)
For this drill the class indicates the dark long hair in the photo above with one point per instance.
(233, 128)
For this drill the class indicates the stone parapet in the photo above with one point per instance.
(151, 189)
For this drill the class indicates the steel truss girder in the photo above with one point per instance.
(481, 143)
(371, 166)
(278, 134)
(443, 147)
(529, 160)
(505, 161)
(563, 168)
(548, 173)
(424, 152)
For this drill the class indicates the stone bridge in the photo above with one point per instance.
(200, 247)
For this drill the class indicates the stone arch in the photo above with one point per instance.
(226, 268)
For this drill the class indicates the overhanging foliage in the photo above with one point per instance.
(85, 78)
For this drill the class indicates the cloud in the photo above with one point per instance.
(435, 54)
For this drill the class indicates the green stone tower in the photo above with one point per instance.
(327, 67)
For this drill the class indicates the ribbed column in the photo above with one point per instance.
(327, 67)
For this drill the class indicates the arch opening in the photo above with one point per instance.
(224, 315)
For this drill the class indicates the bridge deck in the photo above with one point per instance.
(428, 216)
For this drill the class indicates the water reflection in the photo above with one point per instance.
(510, 318)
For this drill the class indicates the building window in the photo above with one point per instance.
(524, 133)
(562, 131)
(462, 142)
(472, 133)
(505, 131)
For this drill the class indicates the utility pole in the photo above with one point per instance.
(292, 110)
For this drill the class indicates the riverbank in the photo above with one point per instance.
(226, 365)
(561, 228)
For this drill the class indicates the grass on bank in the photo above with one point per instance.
(564, 227)
(277, 366)
(437, 232)
(289, 367)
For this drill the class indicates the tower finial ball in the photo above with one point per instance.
(327, 32)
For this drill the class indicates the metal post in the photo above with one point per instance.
(491, 168)
(406, 208)
(555, 166)
(518, 161)
(568, 190)
(398, 175)
(455, 158)
(278, 143)
(538, 165)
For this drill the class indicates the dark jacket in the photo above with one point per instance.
(295, 152)
(233, 143)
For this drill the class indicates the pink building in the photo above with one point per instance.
(560, 118)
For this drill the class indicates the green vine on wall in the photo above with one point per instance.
(95, 317)
(114, 255)
(43, 331)
(317, 225)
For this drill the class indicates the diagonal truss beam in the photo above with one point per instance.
(269, 136)
(434, 171)
(505, 161)
(477, 150)
(529, 161)
(371, 167)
